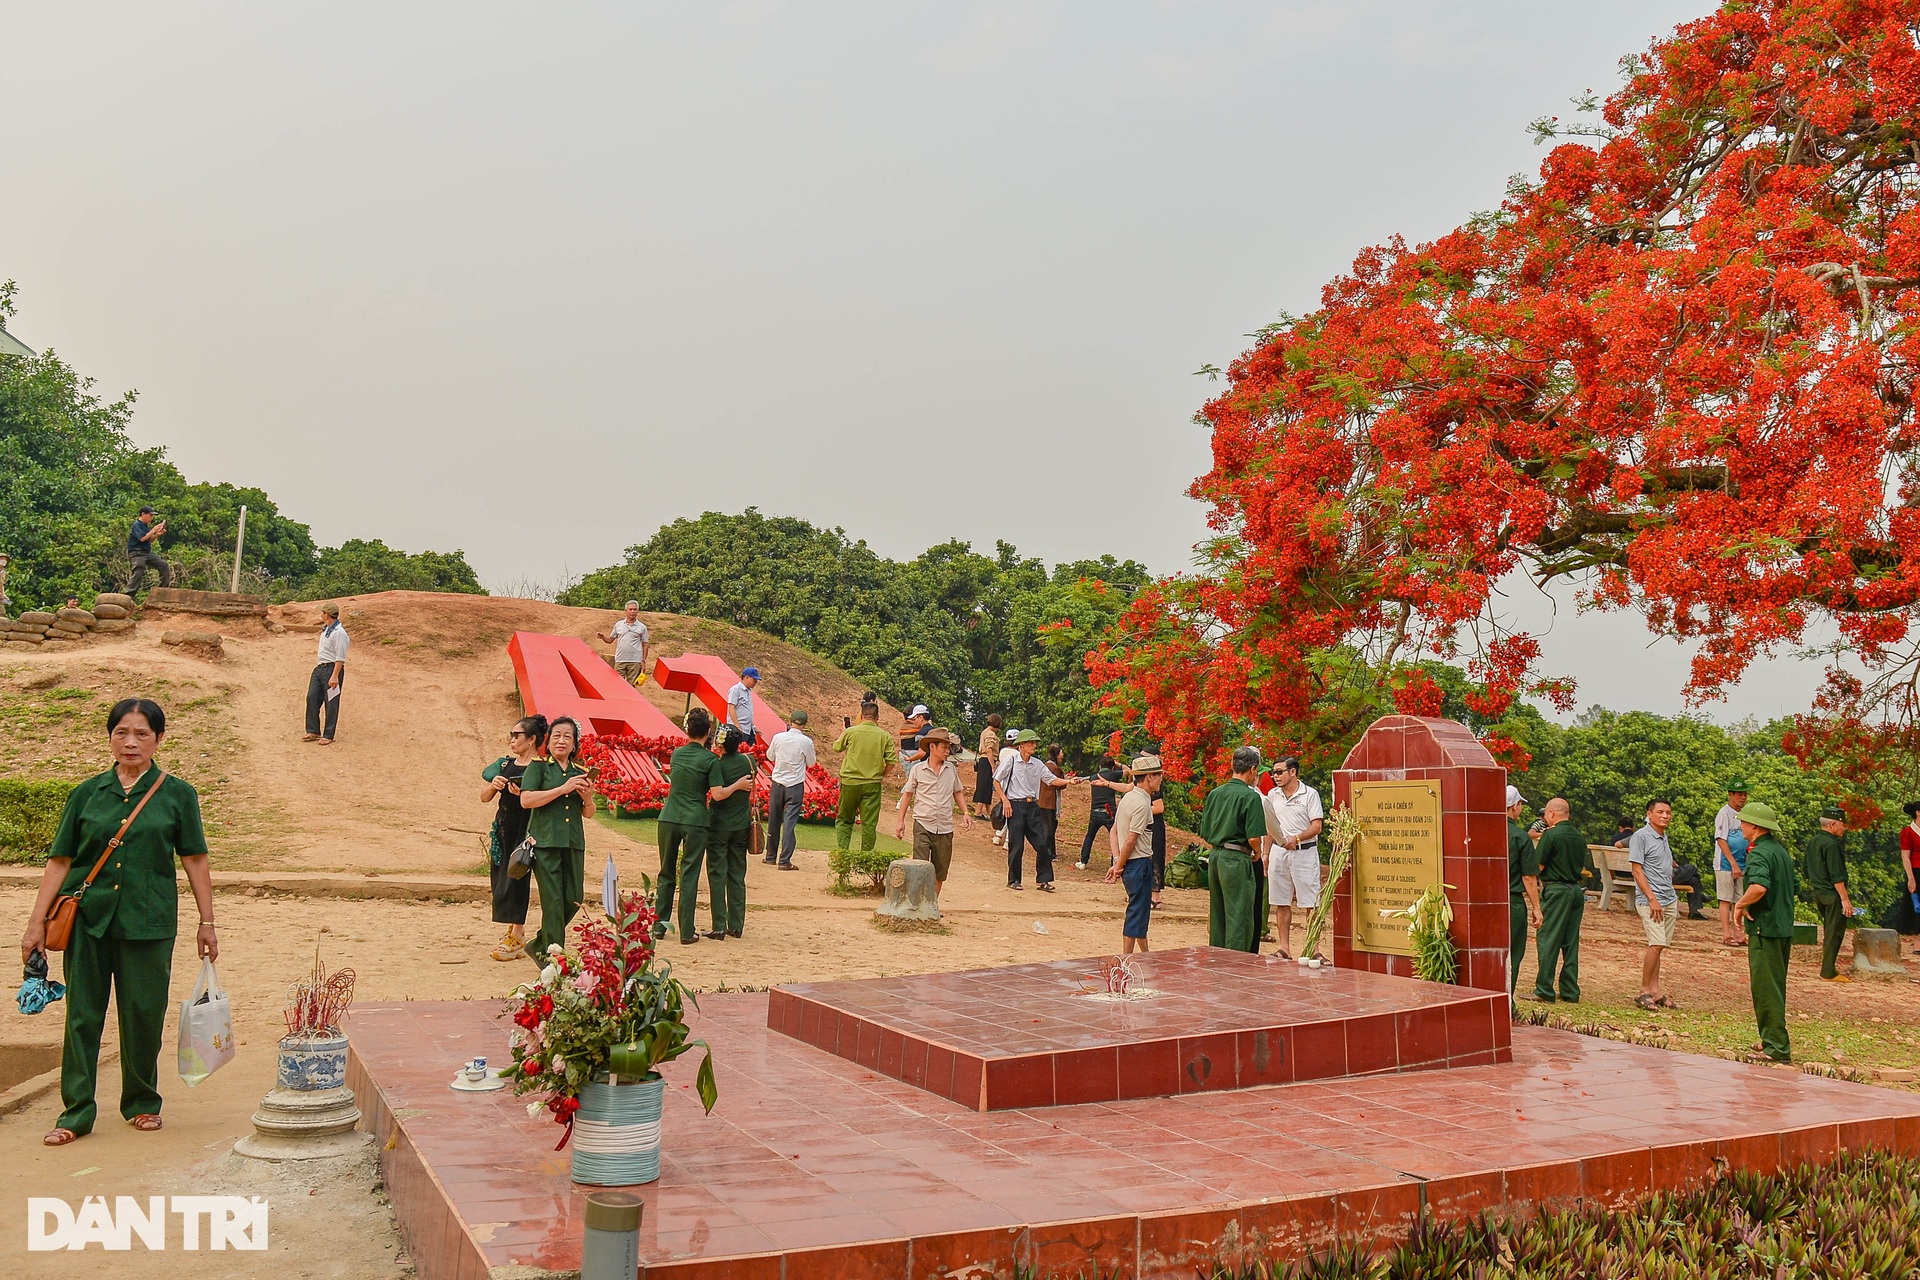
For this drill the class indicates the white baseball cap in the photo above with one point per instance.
(919, 709)
(1514, 797)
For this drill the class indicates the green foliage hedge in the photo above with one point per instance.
(852, 862)
(29, 816)
(1854, 1218)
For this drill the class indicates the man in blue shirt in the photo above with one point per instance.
(1654, 898)
(143, 541)
(740, 704)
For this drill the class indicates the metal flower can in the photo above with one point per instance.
(616, 1132)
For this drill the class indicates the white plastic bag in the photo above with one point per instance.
(206, 1028)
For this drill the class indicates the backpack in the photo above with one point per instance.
(1188, 869)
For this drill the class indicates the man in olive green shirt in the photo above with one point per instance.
(867, 751)
(1766, 909)
(1565, 866)
(1523, 887)
(1827, 877)
(1234, 823)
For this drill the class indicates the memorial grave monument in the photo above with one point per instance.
(1209, 1106)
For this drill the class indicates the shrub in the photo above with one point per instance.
(1850, 1218)
(29, 816)
(853, 862)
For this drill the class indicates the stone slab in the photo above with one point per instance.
(1201, 1019)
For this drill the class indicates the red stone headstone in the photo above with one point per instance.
(1473, 839)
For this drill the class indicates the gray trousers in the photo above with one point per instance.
(783, 815)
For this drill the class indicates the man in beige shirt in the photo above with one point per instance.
(1133, 852)
(935, 791)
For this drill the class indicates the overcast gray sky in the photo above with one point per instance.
(532, 281)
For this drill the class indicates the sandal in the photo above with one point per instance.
(59, 1137)
(1645, 1001)
(1666, 1002)
(1045, 888)
(146, 1123)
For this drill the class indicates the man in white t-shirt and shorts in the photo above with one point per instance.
(1730, 859)
(629, 641)
(1294, 820)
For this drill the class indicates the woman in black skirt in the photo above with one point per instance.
(502, 790)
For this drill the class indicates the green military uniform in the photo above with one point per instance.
(1522, 860)
(1233, 815)
(732, 820)
(1770, 939)
(559, 833)
(867, 750)
(684, 827)
(1827, 867)
(1564, 866)
(124, 933)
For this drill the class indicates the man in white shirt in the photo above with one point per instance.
(323, 686)
(1730, 859)
(790, 754)
(740, 704)
(1007, 752)
(934, 790)
(1017, 786)
(1133, 852)
(629, 641)
(1294, 819)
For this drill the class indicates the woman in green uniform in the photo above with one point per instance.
(730, 810)
(558, 795)
(500, 783)
(124, 933)
(683, 825)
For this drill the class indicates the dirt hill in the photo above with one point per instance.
(429, 696)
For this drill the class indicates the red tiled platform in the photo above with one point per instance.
(1030, 1036)
(815, 1166)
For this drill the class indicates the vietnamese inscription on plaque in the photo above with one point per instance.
(1395, 859)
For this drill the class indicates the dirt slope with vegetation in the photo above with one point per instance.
(429, 695)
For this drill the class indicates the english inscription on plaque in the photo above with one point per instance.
(1396, 858)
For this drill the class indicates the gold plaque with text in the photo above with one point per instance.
(1396, 858)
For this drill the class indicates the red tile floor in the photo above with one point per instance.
(812, 1165)
(1034, 1035)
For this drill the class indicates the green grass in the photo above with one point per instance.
(814, 836)
(1844, 1042)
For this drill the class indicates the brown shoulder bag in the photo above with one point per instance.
(65, 910)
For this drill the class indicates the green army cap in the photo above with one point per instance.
(1833, 813)
(1737, 787)
(1761, 814)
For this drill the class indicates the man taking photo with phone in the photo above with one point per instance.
(143, 543)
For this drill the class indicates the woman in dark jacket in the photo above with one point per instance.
(730, 815)
(559, 793)
(501, 789)
(128, 918)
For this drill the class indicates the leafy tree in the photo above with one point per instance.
(1675, 369)
(360, 566)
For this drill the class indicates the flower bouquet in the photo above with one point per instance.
(601, 1010)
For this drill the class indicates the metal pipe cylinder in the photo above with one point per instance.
(611, 1249)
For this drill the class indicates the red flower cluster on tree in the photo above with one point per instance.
(1676, 369)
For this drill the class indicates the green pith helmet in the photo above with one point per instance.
(1026, 735)
(1761, 814)
(1736, 787)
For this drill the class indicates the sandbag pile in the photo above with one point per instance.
(41, 631)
